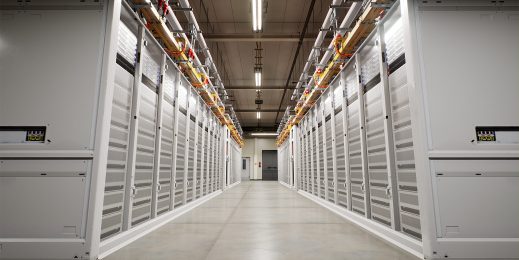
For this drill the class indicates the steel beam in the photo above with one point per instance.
(258, 110)
(249, 37)
(256, 88)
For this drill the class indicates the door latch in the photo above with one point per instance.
(133, 191)
(388, 191)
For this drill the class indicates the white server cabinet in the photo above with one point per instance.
(284, 162)
(425, 131)
(102, 139)
(231, 160)
(289, 160)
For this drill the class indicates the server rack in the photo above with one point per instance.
(284, 162)
(119, 146)
(408, 152)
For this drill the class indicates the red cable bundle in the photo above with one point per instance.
(163, 4)
(337, 42)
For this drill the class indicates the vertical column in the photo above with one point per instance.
(209, 149)
(186, 152)
(324, 146)
(213, 157)
(317, 156)
(129, 190)
(363, 145)
(312, 148)
(217, 155)
(309, 156)
(392, 189)
(224, 159)
(202, 168)
(227, 158)
(334, 148)
(94, 216)
(345, 127)
(158, 140)
(295, 158)
(419, 127)
(176, 106)
(195, 153)
(298, 153)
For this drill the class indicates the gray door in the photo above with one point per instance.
(245, 170)
(269, 165)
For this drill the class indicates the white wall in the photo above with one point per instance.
(253, 148)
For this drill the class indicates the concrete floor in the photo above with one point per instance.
(260, 220)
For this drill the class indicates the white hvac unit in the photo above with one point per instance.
(417, 138)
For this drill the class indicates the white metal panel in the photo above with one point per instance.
(206, 153)
(405, 165)
(376, 150)
(191, 160)
(181, 144)
(328, 152)
(302, 157)
(144, 161)
(50, 76)
(199, 150)
(341, 171)
(43, 199)
(354, 148)
(465, 187)
(166, 151)
(127, 44)
(151, 60)
(468, 90)
(117, 153)
(320, 179)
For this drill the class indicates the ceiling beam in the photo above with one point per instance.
(248, 37)
(259, 128)
(258, 110)
(299, 44)
(256, 88)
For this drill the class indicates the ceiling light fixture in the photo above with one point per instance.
(260, 14)
(263, 134)
(254, 15)
(258, 115)
(257, 76)
(257, 13)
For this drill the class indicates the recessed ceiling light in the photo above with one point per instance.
(257, 15)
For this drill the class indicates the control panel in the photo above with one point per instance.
(497, 134)
(22, 134)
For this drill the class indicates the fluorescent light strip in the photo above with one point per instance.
(257, 77)
(263, 134)
(254, 15)
(258, 115)
(260, 14)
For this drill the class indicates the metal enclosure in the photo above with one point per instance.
(417, 138)
(102, 139)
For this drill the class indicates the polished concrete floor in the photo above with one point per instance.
(259, 220)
